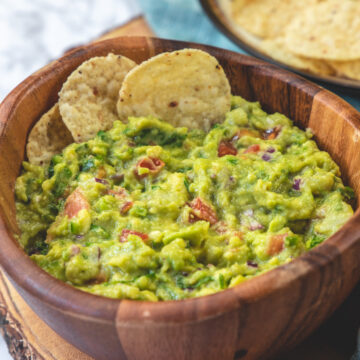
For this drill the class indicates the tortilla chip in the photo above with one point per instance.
(267, 18)
(48, 137)
(185, 88)
(88, 98)
(275, 48)
(349, 69)
(329, 30)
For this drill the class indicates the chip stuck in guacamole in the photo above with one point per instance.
(151, 211)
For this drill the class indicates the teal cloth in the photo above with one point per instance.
(185, 20)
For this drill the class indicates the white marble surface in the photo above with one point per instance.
(4, 353)
(33, 32)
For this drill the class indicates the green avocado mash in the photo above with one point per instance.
(151, 212)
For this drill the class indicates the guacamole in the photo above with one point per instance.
(148, 211)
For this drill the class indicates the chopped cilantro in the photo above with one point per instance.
(186, 183)
(291, 240)
(232, 161)
(221, 281)
(347, 193)
(40, 247)
(179, 279)
(61, 181)
(314, 241)
(159, 137)
(99, 231)
(203, 281)
(54, 160)
(138, 211)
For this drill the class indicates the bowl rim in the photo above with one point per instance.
(349, 85)
(101, 309)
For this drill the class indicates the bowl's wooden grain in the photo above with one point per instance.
(214, 10)
(256, 319)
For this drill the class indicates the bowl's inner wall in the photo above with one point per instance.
(333, 122)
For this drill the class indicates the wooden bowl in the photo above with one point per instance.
(256, 319)
(215, 11)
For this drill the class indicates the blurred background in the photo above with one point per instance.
(38, 31)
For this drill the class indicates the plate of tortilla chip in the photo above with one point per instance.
(319, 39)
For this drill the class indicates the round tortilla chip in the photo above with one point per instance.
(185, 88)
(276, 49)
(88, 98)
(349, 69)
(48, 137)
(329, 30)
(267, 18)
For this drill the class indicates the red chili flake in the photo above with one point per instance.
(153, 164)
(271, 134)
(95, 91)
(226, 148)
(126, 232)
(201, 211)
(75, 202)
(126, 207)
(121, 192)
(252, 149)
(276, 244)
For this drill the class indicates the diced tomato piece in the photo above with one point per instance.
(75, 202)
(153, 164)
(276, 244)
(226, 148)
(121, 193)
(126, 232)
(126, 207)
(246, 132)
(202, 211)
(252, 149)
(271, 134)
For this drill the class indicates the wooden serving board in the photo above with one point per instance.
(29, 338)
